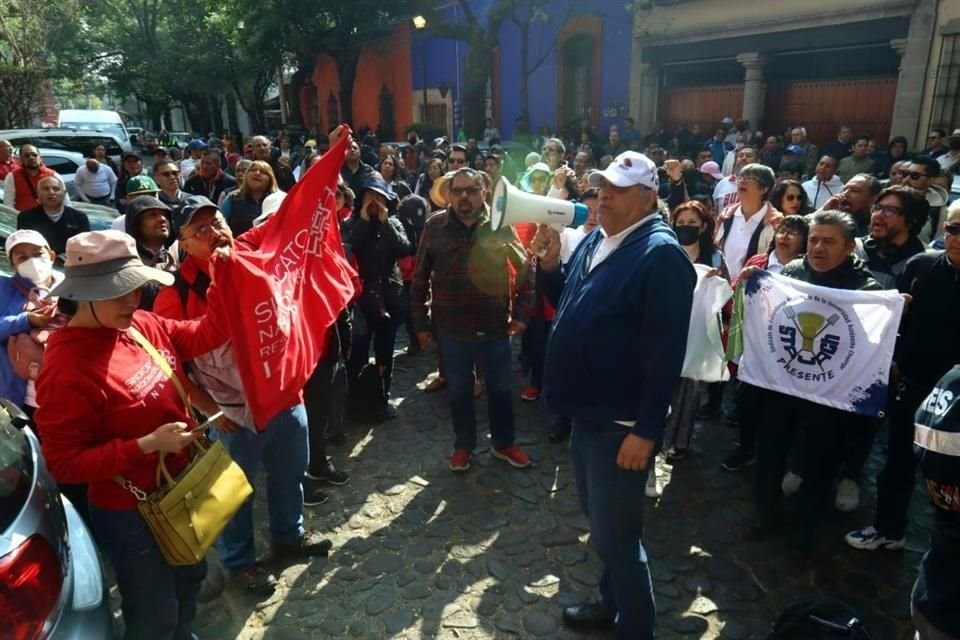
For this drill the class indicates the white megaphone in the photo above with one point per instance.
(511, 205)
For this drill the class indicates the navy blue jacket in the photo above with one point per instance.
(618, 340)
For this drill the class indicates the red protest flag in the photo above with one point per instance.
(284, 286)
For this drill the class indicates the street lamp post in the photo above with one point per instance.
(420, 24)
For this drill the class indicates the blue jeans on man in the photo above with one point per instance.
(283, 450)
(159, 602)
(612, 499)
(494, 355)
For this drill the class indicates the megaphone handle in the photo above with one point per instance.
(559, 229)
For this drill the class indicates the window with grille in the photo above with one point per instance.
(946, 105)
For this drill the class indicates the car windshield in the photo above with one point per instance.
(113, 129)
(16, 471)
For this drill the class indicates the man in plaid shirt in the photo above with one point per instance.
(469, 269)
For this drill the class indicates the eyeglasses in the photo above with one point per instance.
(746, 179)
(952, 229)
(913, 175)
(205, 230)
(461, 191)
(887, 209)
(789, 232)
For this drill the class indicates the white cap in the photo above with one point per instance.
(627, 170)
(25, 236)
(269, 206)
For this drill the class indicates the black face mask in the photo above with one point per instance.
(687, 235)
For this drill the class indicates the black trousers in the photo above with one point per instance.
(821, 428)
(895, 483)
(319, 401)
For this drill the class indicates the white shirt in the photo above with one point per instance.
(99, 184)
(119, 223)
(569, 240)
(609, 244)
(773, 264)
(725, 194)
(187, 166)
(819, 192)
(737, 240)
(947, 160)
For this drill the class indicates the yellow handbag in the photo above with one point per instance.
(187, 513)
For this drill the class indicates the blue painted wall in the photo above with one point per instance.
(442, 62)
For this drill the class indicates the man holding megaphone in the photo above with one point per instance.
(614, 357)
(464, 264)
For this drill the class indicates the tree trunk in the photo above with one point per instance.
(524, 70)
(347, 63)
(297, 81)
(477, 71)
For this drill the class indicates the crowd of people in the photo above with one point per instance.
(585, 302)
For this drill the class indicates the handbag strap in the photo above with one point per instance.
(161, 362)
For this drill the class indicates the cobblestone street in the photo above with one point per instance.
(420, 552)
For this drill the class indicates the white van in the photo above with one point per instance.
(95, 120)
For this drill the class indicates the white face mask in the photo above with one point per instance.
(36, 270)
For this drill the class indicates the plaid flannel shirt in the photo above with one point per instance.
(467, 273)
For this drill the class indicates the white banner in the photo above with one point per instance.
(829, 346)
(705, 360)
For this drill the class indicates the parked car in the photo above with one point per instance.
(78, 141)
(51, 583)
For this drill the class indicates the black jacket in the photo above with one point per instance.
(887, 263)
(377, 247)
(213, 189)
(852, 275)
(56, 233)
(928, 347)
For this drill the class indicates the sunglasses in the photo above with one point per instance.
(887, 209)
(456, 161)
(461, 191)
(791, 197)
(952, 229)
(913, 175)
(167, 174)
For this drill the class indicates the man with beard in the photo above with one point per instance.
(856, 199)
(462, 266)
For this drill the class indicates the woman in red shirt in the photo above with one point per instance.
(107, 409)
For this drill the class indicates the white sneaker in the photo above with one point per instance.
(653, 490)
(870, 539)
(848, 496)
(791, 484)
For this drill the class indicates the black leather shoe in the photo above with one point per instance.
(588, 616)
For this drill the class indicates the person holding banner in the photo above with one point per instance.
(694, 228)
(927, 348)
(280, 447)
(828, 263)
(629, 290)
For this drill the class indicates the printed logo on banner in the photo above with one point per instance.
(812, 338)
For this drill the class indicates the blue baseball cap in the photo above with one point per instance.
(795, 149)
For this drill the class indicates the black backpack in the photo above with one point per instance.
(818, 618)
(367, 401)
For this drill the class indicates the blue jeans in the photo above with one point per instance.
(612, 499)
(283, 449)
(159, 602)
(494, 355)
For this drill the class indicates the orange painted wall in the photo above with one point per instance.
(382, 62)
